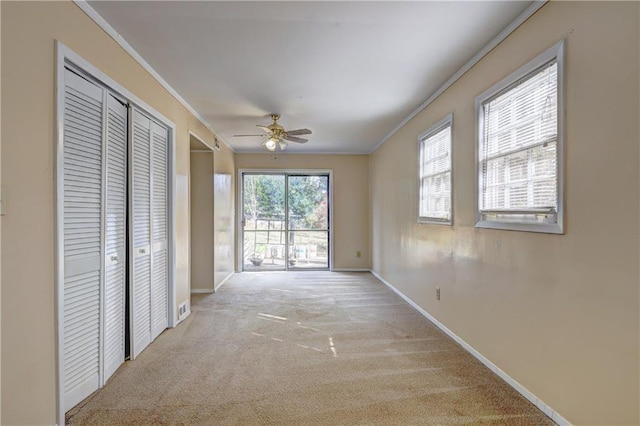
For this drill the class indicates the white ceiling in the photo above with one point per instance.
(349, 71)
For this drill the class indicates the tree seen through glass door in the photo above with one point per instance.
(267, 222)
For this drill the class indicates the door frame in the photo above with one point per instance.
(285, 172)
(66, 57)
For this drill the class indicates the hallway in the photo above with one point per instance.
(304, 348)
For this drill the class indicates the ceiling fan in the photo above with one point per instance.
(277, 136)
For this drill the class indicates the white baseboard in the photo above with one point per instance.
(546, 409)
(201, 291)
(223, 282)
(350, 270)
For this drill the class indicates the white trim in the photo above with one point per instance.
(331, 222)
(102, 23)
(555, 52)
(223, 282)
(239, 198)
(546, 409)
(128, 251)
(172, 236)
(351, 270)
(202, 291)
(466, 67)
(59, 233)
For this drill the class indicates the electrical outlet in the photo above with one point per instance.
(358, 254)
(437, 293)
(182, 310)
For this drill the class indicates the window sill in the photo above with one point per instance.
(430, 221)
(545, 228)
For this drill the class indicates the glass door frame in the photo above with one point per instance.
(286, 173)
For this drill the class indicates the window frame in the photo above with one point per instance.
(436, 128)
(524, 221)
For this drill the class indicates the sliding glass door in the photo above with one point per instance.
(308, 219)
(285, 221)
(263, 222)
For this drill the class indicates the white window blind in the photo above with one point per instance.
(435, 173)
(519, 148)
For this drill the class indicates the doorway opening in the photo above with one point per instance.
(201, 198)
(285, 221)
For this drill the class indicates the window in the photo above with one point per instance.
(435, 173)
(519, 155)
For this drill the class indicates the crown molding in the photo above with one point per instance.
(533, 8)
(102, 23)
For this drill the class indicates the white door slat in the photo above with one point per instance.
(159, 284)
(81, 294)
(114, 303)
(141, 230)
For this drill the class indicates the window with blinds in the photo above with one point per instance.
(519, 149)
(434, 204)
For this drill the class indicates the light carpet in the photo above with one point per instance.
(305, 348)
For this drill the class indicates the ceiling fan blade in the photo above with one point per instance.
(265, 128)
(241, 136)
(295, 139)
(298, 132)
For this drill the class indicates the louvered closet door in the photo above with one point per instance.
(115, 260)
(82, 235)
(159, 274)
(141, 234)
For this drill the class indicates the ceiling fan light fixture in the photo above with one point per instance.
(276, 135)
(270, 144)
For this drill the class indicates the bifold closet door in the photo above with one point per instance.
(94, 212)
(82, 174)
(159, 226)
(140, 285)
(116, 228)
(149, 272)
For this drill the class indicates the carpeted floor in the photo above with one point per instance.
(304, 348)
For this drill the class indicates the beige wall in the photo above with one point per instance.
(558, 313)
(350, 198)
(28, 330)
(202, 221)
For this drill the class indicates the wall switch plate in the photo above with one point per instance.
(358, 254)
(437, 293)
